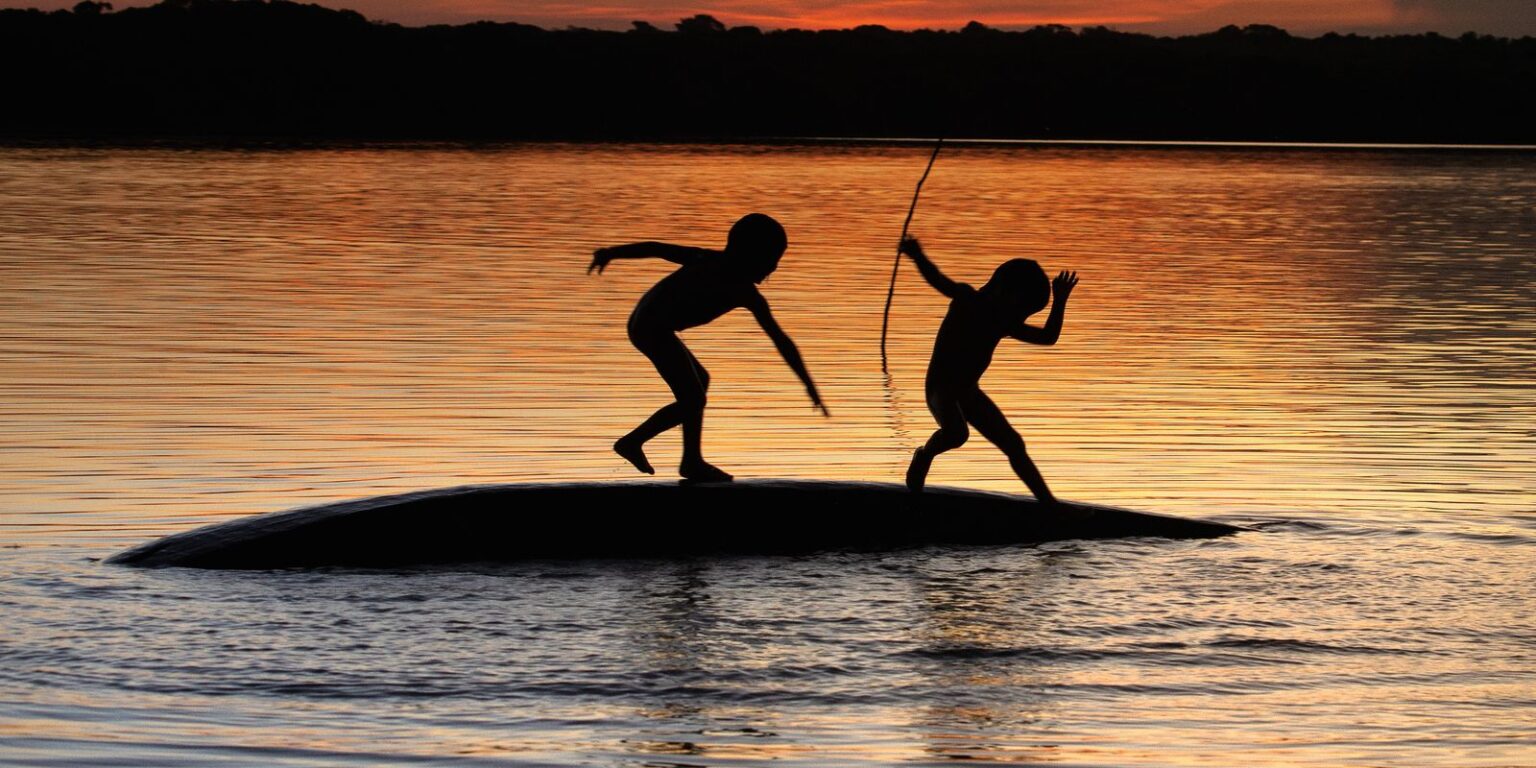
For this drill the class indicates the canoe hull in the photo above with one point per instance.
(503, 523)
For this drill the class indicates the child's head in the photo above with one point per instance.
(1022, 283)
(757, 242)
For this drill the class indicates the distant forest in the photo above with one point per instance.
(270, 69)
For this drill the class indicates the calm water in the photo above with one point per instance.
(1336, 348)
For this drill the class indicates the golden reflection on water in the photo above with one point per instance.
(195, 334)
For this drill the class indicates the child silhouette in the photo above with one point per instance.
(976, 321)
(709, 284)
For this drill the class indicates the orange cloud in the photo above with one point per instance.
(1173, 15)
(1503, 17)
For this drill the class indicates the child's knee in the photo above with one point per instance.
(1012, 445)
(948, 439)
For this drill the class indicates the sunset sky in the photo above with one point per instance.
(1309, 17)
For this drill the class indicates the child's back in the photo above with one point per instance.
(694, 294)
(966, 341)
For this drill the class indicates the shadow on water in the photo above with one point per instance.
(971, 668)
(974, 655)
(699, 646)
(675, 631)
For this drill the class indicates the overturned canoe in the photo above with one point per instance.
(499, 523)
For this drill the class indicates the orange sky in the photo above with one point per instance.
(1310, 17)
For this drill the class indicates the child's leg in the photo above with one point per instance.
(984, 415)
(693, 427)
(689, 382)
(952, 434)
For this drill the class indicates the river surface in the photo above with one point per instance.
(1335, 348)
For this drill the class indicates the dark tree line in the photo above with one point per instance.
(277, 69)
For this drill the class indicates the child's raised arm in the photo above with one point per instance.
(1061, 288)
(677, 254)
(931, 273)
(759, 308)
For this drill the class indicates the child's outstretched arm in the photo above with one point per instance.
(759, 308)
(1061, 288)
(677, 254)
(931, 273)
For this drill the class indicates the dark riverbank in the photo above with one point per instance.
(211, 68)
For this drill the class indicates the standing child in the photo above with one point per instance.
(977, 320)
(709, 284)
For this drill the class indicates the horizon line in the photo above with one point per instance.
(213, 142)
(623, 26)
(1169, 143)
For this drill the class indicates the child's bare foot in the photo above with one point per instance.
(703, 472)
(917, 471)
(634, 453)
(1066, 509)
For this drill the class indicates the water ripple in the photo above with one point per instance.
(1331, 349)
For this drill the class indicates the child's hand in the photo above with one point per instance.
(1063, 284)
(912, 248)
(600, 261)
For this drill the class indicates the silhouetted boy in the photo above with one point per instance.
(975, 323)
(709, 284)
